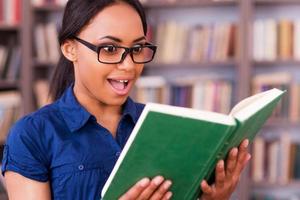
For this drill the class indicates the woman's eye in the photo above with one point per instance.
(137, 49)
(110, 49)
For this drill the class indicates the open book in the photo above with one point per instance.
(184, 144)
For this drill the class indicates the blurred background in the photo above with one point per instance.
(211, 54)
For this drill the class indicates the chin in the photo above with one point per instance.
(116, 101)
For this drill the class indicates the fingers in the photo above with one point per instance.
(243, 156)
(162, 191)
(154, 184)
(231, 162)
(156, 189)
(206, 189)
(220, 174)
(136, 190)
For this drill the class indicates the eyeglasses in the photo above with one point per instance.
(113, 54)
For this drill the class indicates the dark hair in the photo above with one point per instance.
(77, 15)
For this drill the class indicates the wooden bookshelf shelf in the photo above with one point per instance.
(9, 27)
(209, 64)
(48, 8)
(277, 63)
(292, 185)
(272, 2)
(5, 85)
(44, 64)
(190, 3)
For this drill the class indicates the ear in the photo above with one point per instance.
(68, 49)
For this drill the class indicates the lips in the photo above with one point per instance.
(120, 86)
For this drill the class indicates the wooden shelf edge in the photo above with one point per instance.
(209, 64)
(191, 3)
(9, 27)
(265, 185)
(272, 2)
(277, 62)
(5, 85)
(50, 7)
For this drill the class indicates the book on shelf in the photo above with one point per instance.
(281, 80)
(276, 40)
(151, 89)
(206, 93)
(198, 43)
(9, 111)
(10, 12)
(10, 62)
(275, 160)
(285, 45)
(46, 43)
(41, 90)
(192, 140)
(296, 40)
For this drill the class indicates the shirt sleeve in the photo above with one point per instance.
(23, 152)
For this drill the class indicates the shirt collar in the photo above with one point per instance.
(130, 109)
(76, 116)
(73, 113)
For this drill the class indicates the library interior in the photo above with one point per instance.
(211, 54)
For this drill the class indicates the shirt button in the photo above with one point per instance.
(118, 153)
(80, 167)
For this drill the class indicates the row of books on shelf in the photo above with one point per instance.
(10, 62)
(181, 43)
(276, 40)
(289, 107)
(10, 12)
(196, 92)
(272, 196)
(215, 94)
(47, 2)
(10, 110)
(10, 105)
(276, 161)
(46, 42)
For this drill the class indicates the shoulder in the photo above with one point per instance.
(34, 124)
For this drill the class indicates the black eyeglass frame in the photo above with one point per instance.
(128, 50)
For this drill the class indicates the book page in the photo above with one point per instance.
(253, 104)
(249, 100)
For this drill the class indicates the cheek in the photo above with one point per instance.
(92, 73)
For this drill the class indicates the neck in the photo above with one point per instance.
(107, 115)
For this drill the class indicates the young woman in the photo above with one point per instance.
(67, 150)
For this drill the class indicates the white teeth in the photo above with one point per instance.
(123, 81)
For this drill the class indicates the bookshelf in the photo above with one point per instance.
(280, 137)
(10, 77)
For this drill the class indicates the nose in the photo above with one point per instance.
(127, 63)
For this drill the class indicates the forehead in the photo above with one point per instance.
(119, 20)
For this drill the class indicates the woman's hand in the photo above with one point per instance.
(155, 189)
(227, 179)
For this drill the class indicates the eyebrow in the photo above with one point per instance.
(119, 40)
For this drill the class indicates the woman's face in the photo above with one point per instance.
(108, 84)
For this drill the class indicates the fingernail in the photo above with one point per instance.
(169, 195)
(144, 182)
(158, 180)
(246, 143)
(234, 151)
(167, 184)
(221, 164)
(202, 184)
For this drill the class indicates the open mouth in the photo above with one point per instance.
(119, 85)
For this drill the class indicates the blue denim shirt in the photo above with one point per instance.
(62, 143)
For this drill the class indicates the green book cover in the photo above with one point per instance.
(184, 144)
